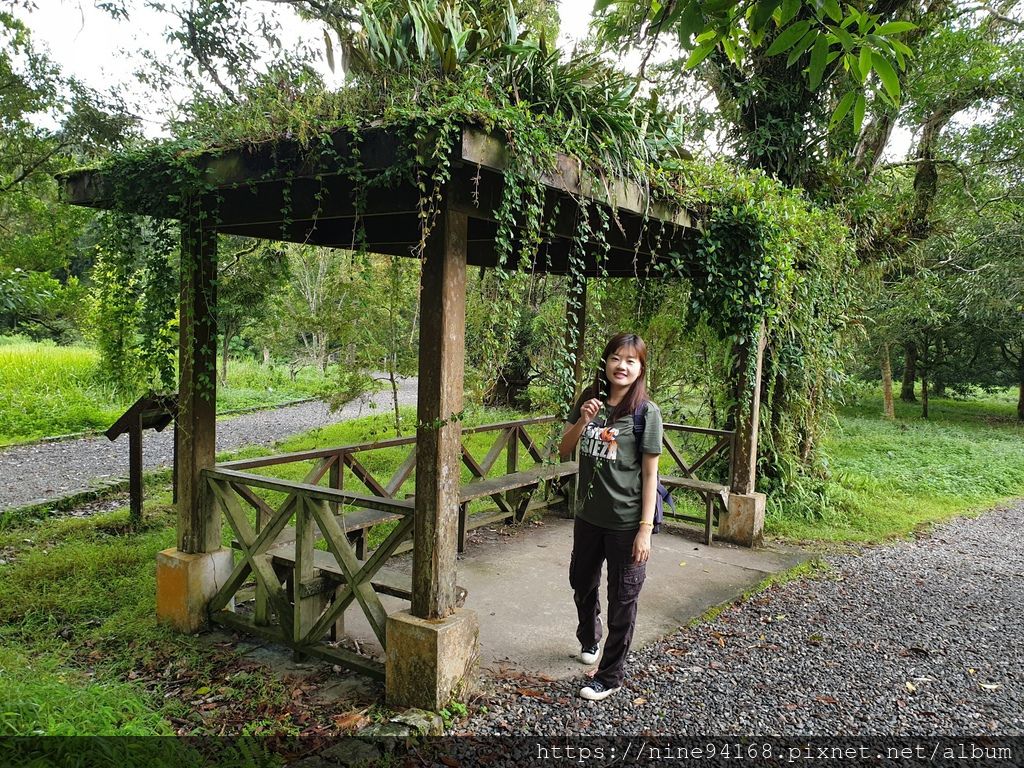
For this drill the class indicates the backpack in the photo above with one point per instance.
(664, 495)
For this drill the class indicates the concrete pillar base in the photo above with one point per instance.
(744, 522)
(430, 661)
(184, 585)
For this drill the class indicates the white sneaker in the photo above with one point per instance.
(596, 691)
(589, 655)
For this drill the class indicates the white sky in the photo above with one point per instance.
(102, 52)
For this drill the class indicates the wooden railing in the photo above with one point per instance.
(683, 474)
(305, 544)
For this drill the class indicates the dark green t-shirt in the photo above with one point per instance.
(610, 477)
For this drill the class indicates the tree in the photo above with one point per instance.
(247, 276)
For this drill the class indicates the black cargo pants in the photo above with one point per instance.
(591, 546)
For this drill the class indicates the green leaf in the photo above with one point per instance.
(763, 11)
(860, 104)
(865, 62)
(832, 9)
(844, 37)
(887, 75)
(691, 23)
(788, 11)
(699, 54)
(853, 64)
(788, 38)
(842, 108)
(895, 28)
(817, 67)
(731, 50)
(800, 47)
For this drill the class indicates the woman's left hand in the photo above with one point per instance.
(642, 545)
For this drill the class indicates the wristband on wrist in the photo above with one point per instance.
(644, 522)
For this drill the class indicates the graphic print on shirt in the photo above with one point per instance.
(599, 442)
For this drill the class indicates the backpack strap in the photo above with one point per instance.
(639, 422)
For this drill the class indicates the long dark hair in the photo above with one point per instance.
(636, 395)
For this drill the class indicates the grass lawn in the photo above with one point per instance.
(80, 651)
(46, 390)
(889, 477)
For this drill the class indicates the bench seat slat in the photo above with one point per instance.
(478, 489)
(690, 483)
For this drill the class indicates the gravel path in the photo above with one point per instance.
(919, 637)
(41, 472)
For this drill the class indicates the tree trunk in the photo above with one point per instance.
(925, 368)
(909, 373)
(392, 366)
(266, 357)
(228, 335)
(938, 380)
(1020, 385)
(889, 407)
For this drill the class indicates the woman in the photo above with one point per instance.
(618, 484)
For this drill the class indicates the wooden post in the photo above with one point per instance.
(198, 518)
(135, 470)
(438, 428)
(748, 419)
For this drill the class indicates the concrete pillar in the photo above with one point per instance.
(743, 523)
(185, 583)
(428, 663)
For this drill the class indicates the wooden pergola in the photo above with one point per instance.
(285, 193)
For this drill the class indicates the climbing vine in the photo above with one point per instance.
(764, 255)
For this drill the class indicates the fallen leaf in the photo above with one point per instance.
(791, 707)
(827, 699)
(911, 687)
(991, 686)
(351, 721)
(640, 700)
(816, 639)
(531, 692)
(451, 762)
(202, 691)
(682, 564)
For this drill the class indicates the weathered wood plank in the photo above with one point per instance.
(253, 546)
(495, 451)
(402, 473)
(355, 573)
(198, 519)
(478, 489)
(670, 427)
(692, 484)
(336, 655)
(363, 475)
(531, 447)
(745, 457)
(348, 498)
(439, 399)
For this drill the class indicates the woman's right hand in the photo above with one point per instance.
(589, 410)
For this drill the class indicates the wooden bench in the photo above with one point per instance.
(527, 480)
(708, 491)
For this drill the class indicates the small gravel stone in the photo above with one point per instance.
(35, 473)
(918, 637)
